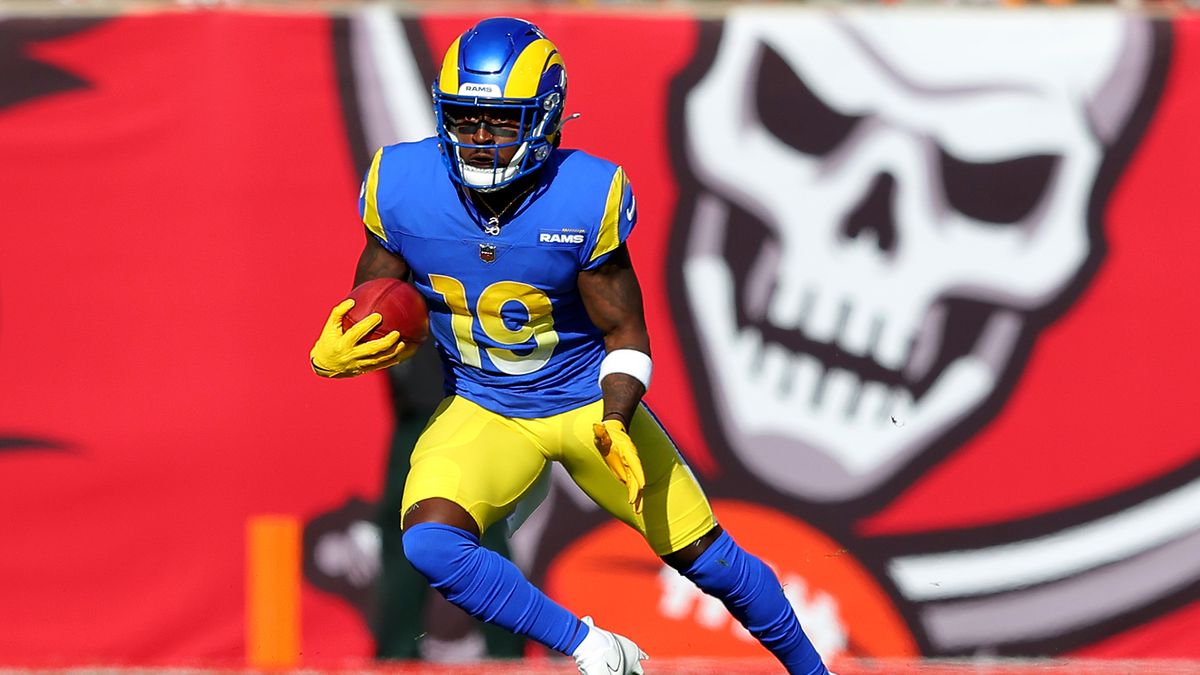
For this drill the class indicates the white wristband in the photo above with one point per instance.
(629, 361)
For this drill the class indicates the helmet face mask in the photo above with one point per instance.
(502, 75)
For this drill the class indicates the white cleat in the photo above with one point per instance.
(619, 657)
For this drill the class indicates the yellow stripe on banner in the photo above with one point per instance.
(273, 592)
(527, 71)
(448, 80)
(371, 208)
(610, 235)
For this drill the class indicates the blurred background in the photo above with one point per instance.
(920, 279)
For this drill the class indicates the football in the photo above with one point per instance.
(399, 303)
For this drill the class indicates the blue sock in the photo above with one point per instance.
(751, 592)
(489, 587)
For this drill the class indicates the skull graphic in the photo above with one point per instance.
(886, 208)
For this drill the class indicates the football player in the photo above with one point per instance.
(518, 247)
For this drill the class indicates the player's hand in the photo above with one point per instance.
(339, 354)
(618, 451)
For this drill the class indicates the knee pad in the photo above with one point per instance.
(438, 551)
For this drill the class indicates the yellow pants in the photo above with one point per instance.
(486, 462)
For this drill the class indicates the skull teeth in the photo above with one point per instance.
(799, 381)
(851, 326)
(840, 392)
(874, 403)
(892, 348)
(861, 332)
(808, 375)
(927, 344)
(825, 320)
(776, 368)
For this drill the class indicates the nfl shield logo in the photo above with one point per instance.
(487, 252)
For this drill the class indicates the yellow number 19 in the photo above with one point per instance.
(539, 326)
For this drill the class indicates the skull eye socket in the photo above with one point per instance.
(792, 112)
(1000, 192)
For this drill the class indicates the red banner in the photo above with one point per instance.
(918, 286)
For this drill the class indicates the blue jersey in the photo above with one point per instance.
(505, 309)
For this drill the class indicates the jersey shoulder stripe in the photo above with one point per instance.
(370, 197)
(609, 237)
(599, 194)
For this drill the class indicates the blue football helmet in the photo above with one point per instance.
(505, 64)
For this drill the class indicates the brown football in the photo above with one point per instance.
(399, 303)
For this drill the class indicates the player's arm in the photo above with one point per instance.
(376, 262)
(339, 353)
(613, 300)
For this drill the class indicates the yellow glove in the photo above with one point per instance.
(338, 354)
(618, 451)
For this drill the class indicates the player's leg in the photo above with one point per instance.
(678, 523)
(675, 511)
(469, 469)
(752, 593)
